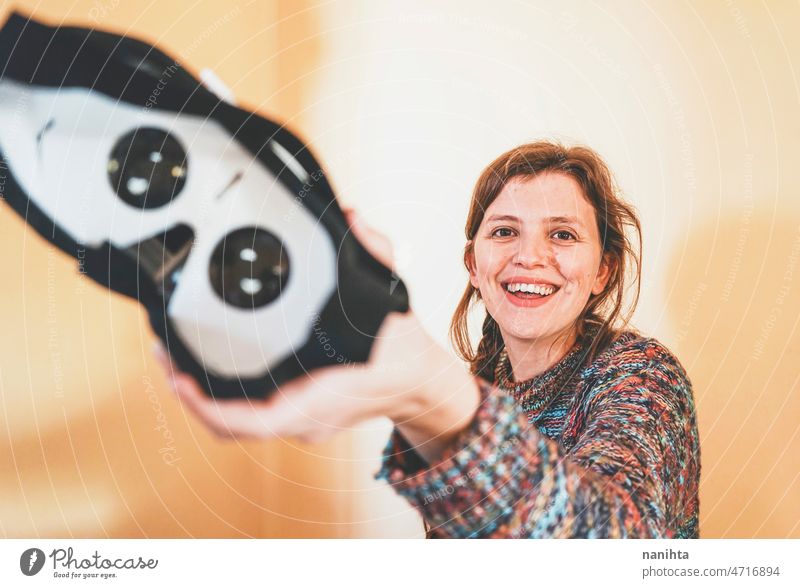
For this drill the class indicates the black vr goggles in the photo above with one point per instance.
(220, 222)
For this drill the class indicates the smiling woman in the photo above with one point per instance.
(585, 429)
(567, 424)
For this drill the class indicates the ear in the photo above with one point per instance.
(603, 274)
(469, 263)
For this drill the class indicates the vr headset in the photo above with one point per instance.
(220, 222)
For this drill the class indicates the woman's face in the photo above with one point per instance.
(537, 258)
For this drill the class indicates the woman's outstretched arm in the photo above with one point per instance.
(404, 380)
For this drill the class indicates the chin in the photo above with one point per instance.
(533, 332)
(528, 333)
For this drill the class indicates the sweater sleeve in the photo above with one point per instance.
(628, 473)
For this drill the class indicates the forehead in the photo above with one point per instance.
(546, 195)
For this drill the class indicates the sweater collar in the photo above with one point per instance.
(537, 393)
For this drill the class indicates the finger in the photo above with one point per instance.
(225, 418)
(375, 242)
(328, 401)
(248, 418)
(164, 359)
(292, 410)
(378, 245)
(161, 355)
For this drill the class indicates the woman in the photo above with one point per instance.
(565, 425)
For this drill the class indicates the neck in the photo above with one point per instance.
(529, 358)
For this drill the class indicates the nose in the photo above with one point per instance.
(533, 251)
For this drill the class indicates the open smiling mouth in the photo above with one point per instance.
(529, 291)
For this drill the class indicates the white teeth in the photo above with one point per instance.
(531, 289)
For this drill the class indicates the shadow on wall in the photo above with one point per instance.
(735, 299)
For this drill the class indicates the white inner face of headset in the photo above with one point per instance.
(57, 143)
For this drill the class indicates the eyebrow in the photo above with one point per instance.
(569, 220)
(502, 217)
(553, 219)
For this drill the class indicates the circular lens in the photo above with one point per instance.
(147, 168)
(249, 268)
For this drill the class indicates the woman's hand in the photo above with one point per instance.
(429, 395)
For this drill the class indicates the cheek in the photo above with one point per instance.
(578, 271)
(484, 261)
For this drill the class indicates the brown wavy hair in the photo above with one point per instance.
(603, 311)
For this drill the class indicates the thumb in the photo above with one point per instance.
(378, 244)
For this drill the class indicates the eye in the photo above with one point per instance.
(564, 235)
(503, 232)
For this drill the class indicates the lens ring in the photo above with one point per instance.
(147, 168)
(249, 268)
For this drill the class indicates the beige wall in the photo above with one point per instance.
(694, 106)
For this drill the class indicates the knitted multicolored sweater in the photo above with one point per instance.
(608, 449)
